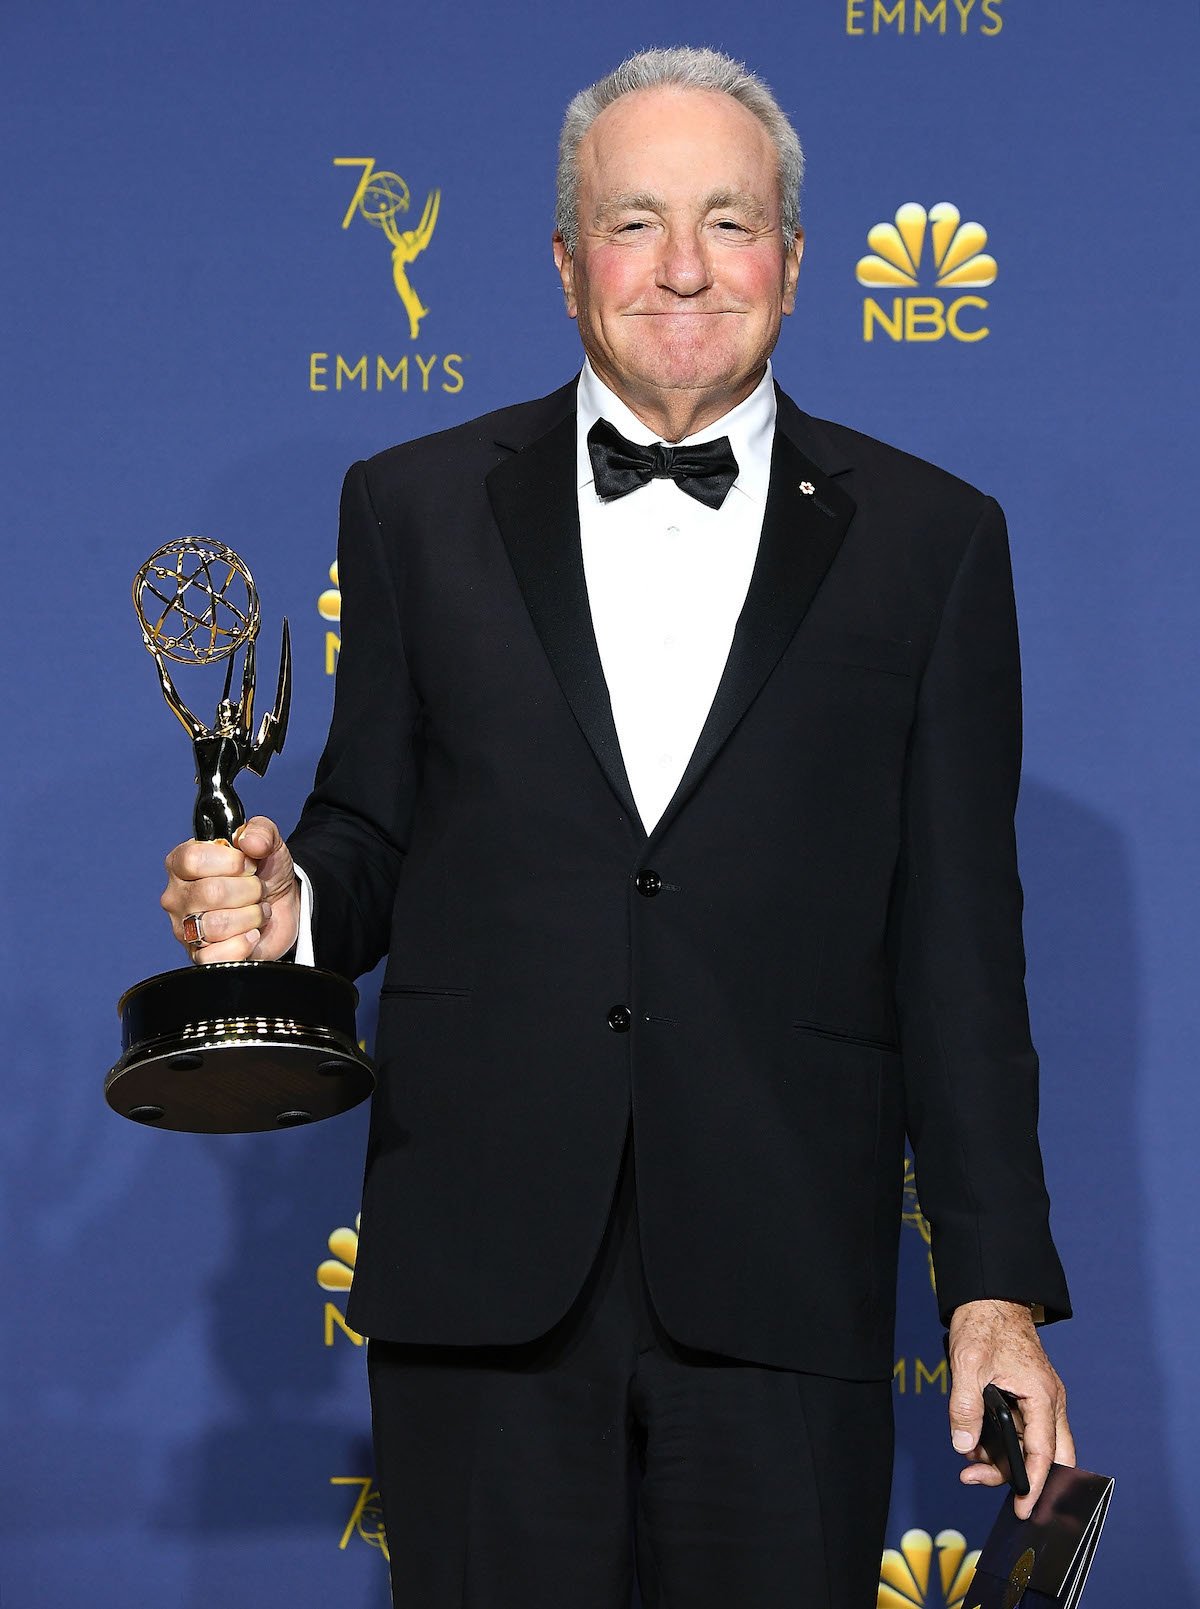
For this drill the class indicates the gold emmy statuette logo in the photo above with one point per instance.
(380, 199)
(914, 1217)
(336, 1273)
(906, 1574)
(366, 1517)
(329, 607)
(956, 261)
(924, 17)
(913, 1373)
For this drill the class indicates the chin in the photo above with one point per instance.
(688, 371)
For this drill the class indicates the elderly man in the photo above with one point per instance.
(673, 764)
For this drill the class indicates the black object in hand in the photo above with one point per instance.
(1000, 1439)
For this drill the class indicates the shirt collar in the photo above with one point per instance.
(750, 428)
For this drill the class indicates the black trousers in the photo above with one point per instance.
(540, 1476)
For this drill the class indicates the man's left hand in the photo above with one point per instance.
(998, 1342)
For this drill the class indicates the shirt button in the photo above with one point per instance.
(672, 530)
(664, 759)
(668, 642)
(647, 883)
(620, 1019)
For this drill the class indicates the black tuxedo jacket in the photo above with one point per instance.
(817, 948)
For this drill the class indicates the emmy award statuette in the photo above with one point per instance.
(235, 1047)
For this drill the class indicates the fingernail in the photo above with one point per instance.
(253, 936)
(963, 1441)
(266, 910)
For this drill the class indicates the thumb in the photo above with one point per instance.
(966, 1414)
(258, 838)
(268, 855)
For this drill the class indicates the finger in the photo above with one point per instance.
(239, 949)
(224, 908)
(218, 926)
(1064, 1442)
(966, 1410)
(1039, 1439)
(217, 894)
(981, 1475)
(194, 859)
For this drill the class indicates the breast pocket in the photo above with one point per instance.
(855, 648)
(850, 699)
(426, 991)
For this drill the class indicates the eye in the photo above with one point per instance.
(731, 225)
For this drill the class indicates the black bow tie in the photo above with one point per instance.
(705, 471)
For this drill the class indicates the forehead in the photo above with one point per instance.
(677, 138)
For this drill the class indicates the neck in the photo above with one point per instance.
(674, 414)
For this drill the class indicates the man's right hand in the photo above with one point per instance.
(246, 896)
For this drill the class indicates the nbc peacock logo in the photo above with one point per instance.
(906, 1575)
(336, 1274)
(329, 607)
(921, 245)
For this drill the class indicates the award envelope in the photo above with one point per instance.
(1043, 1562)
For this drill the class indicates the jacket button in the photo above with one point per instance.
(647, 883)
(619, 1019)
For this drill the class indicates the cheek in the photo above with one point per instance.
(612, 282)
(750, 274)
(760, 282)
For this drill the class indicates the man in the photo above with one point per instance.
(677, 784)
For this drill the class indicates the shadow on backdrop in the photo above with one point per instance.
(1083, 964)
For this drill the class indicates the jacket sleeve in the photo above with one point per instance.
(971, 1072)
(353, 831)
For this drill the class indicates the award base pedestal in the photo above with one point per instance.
(238, 1047)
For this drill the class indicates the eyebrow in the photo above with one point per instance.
(742, 199)
(647, 201)
(631, 201)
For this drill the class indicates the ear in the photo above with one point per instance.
(565, 264)
(791, 271)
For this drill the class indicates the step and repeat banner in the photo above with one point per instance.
(246, 245)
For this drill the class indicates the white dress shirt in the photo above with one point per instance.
(666, 580)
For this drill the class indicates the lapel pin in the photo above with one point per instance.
(807, 487)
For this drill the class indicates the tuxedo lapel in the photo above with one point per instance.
(806, 517)
(535, 500)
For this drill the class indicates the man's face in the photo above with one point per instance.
(680, 276)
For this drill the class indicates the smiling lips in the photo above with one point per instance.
(681, 312)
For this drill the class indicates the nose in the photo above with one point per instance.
(683, 265)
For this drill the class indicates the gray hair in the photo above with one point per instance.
(681, 67)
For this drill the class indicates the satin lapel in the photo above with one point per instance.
(535, 500)
(802, 531)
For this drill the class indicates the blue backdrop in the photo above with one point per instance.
(202, 330)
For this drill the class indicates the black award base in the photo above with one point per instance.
(238, 1047)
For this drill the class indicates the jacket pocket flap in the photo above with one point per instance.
(855, 648)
